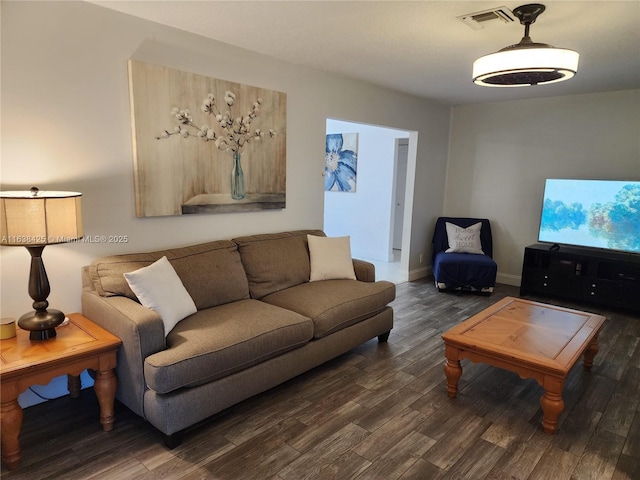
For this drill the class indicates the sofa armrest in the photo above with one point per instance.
(365, 271)
(142, 333)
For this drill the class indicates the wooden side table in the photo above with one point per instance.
(80, 344)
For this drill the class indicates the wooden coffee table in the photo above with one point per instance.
(78, 345)
(532, 339)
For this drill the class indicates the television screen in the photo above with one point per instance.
(591, 213)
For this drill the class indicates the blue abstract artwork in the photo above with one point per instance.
(340, 162)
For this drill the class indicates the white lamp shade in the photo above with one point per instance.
(538, 62)
(41, 219)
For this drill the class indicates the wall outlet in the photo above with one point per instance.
(421, 257)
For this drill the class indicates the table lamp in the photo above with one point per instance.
(35, 219)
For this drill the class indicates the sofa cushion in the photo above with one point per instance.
(159, 288)
(334, 304)
(330, 258)
(275, 261)
(219, 341)
(211, 272)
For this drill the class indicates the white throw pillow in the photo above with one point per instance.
(464, 240)
(159, 288)
(330, 258)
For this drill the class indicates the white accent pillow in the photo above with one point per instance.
(464, 240)
(330, 258)
(159, 288)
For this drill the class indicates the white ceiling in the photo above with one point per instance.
(417, 47)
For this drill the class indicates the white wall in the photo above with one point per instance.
(66, 126)
(501, 153)
(365, 214)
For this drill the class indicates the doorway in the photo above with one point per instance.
(400, 182)
(376, 213)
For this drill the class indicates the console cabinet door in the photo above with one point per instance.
(544, 281)
(601, 290)
(630, 295)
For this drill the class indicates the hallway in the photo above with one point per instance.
(390, 271)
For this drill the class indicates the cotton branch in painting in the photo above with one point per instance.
(340, 162)
(236, 132)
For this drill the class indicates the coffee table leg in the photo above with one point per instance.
(590, 353)
(552, 406)
(105, 387)
(452, 371)
(11, 423)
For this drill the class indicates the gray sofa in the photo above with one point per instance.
(259, 322)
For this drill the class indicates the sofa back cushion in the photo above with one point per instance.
(275, 261)
(211, 272)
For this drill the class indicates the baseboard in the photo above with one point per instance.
(508, 279)
(419, 273)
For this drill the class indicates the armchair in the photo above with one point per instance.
(462, 255)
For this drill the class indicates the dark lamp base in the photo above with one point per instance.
(41, 324)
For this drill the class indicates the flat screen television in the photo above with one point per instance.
(591, 213)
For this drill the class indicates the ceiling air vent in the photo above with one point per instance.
(478, 20)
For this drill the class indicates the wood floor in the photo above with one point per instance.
(378, 412)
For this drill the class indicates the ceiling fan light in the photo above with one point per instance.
(526, 63)
(519, 67)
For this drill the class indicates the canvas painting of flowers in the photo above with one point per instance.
(340, 162)
(205, 145)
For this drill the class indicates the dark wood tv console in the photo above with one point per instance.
(602, 277)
